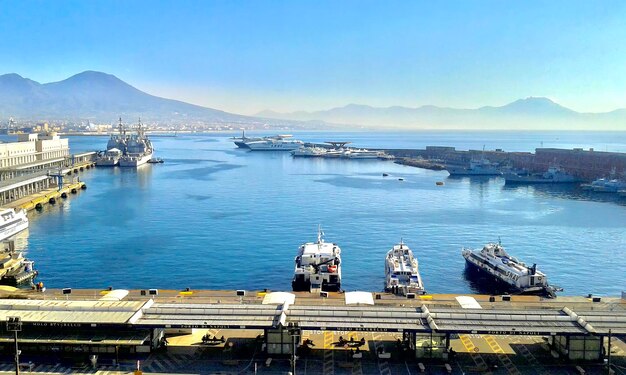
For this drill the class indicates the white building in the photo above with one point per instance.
(33, 148)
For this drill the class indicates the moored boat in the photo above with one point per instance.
(401, 271)
(14, 268)
(493, 260)
(12, 222)
(241, 141)
(275, 144)
(309, 152)
(317, 266)
(138, 150)
(554, 175)
(110, 158)
(477, 167)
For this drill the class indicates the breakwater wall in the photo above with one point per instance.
(586, 164)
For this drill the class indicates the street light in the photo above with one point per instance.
(14, 324)
(294, 332)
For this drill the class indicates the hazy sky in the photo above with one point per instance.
(289, 55)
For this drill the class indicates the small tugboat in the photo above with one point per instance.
(14, 268)
(317, 267)
(401, 271)
(494, 261)
(155, 161)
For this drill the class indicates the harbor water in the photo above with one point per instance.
(216, 217)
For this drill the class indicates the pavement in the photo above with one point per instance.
(238, 354)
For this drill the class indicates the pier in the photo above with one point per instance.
(584, 164)
(431, 330)
(32, 170)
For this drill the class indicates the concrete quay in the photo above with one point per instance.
(47, 196)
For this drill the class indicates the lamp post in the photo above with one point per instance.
(14, 324)
(294, 332)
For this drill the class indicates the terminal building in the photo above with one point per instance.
(116, 326)
(33, 163)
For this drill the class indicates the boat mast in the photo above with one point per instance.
(320, 234)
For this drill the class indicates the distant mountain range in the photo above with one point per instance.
(103, 97)
(529, 113)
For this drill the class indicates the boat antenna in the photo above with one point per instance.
(401, 242)
(499, 241)
(320, 234)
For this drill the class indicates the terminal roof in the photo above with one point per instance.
(210, 316)
(61, 312)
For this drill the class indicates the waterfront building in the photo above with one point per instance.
(25, 165)
(33, 148)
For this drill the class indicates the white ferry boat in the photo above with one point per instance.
(317, 267)
(275, 144)
(401, 271)
(309, 152)
(14, 268)
(138, 150)
(494, 261)
(241, 142)
(12, 222)
(361, 154)
(477, 167)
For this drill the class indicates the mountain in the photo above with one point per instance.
(103, 97)
(531, 113)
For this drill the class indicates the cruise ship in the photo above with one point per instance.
(493, 261)
(317, 267)
(12, 222)
(138, 150)
(275, 144)
(477, 167)
(401, 271)
(554, 175)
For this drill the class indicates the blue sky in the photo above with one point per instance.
(246, 56)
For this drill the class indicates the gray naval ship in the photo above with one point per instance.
(554, 175)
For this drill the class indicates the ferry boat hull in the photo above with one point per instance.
(401, 272)
(490, 284)
(12, 222)
(506, 271)
(133, 161)
(317, 267)
(107, 162)
(275, 145)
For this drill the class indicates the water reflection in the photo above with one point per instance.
(20, 240)
(565, 191)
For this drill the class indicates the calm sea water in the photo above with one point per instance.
(218, 217)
